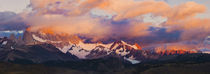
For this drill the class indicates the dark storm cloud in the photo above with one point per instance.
(11, 21)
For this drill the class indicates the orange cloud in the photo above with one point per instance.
(142, 8)
(138, 29)
(73, 17)
(185, 10)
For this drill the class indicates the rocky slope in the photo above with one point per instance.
(11, 51)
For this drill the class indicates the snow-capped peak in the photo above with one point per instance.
(86, 50)
(123, 44)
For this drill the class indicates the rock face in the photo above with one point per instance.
(7, 43)
(28, 39)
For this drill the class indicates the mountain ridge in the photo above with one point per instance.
(76, 48)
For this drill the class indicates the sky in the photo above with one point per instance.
(205, 2)
(169, 21)
(19, 5)
(16, 6)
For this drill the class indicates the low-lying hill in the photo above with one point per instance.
(183, 64)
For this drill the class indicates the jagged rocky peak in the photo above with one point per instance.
(138, 46)
(12, 36)
(7, 43)
(27, 38)
(124, 45)
(17, 39)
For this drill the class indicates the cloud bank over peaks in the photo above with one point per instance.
(117, 19)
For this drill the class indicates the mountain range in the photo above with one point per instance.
(41, 47)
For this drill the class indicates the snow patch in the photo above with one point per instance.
(4, 43)
(89, 46)
(12, 47)
(38, 39)
(132, 60)
(106, 45)
(79, 52)
(42, 40)
(65, 48)
(115, 47)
